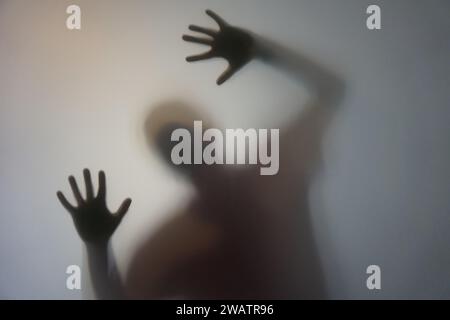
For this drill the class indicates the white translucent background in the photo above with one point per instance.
(75, 99)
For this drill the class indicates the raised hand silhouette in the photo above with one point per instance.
(233, 44)
(94, 222)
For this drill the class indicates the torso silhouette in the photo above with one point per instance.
(244, 235)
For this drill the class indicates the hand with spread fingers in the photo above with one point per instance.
(94, 222)
(233, 44)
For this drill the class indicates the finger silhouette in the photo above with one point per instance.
(66, 204)
(123, 208)
(203, 56)
(75, 190)
(197, 40)
(88, 183)
(216, 18)
(226, 75)
(101, 185)
(206, 31)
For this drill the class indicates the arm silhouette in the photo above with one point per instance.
(326, 89)
(239, 46)
(95, 225)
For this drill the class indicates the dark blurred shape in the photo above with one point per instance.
(233, 44)
(243, 235)
(162, 121)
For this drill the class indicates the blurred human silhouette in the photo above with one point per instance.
(243, 235)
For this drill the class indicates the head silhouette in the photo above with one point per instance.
(159, 125)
